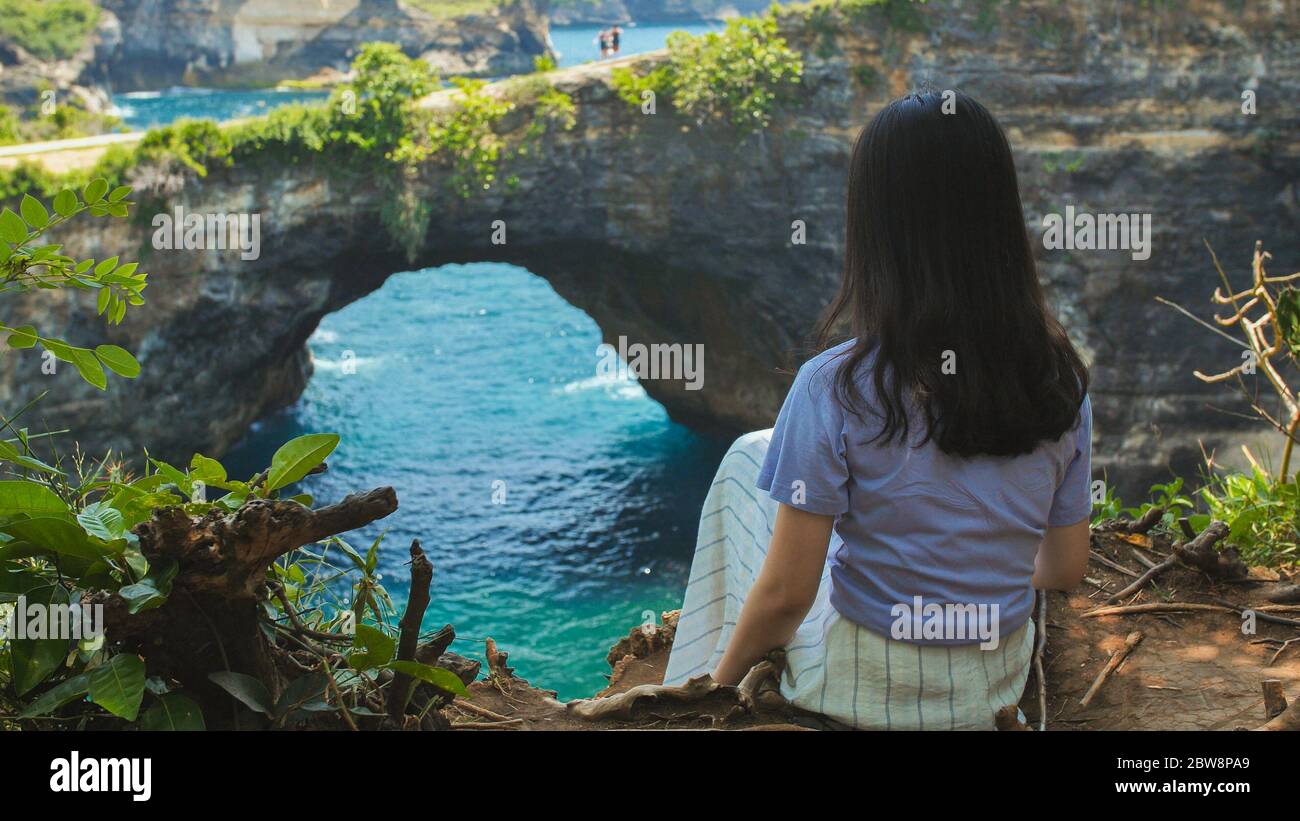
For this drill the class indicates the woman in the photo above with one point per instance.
(941, 455)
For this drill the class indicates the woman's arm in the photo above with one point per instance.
(1062, 557)
(783, 593)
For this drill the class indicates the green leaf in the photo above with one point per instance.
(102, 301)
(296, 458)
(34, 660)
(30, 498)
(62, 350)
(54, 535)
(118, 360)
(65, 203)
(12, 228)
(22, 337)
(9, 453)
(34, 214)
(208, 471)
(106, 266)
(89, 368)
(119, 193)
(102, 521)
(173, 712)
(153, 589)
(372, 648)
(94, 190)
(118, 686)
(437, 676)
(182, 482)
(54, 698)
(251, 692)
(301, 692)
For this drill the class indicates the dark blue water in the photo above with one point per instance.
(474, 378)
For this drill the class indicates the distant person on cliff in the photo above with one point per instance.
(924, 476)
(602, 40)
(615, 39)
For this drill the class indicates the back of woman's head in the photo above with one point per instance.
(939, 282)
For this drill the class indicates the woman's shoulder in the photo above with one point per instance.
(819, 373)
(817, 382)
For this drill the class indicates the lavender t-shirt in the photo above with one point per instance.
(916, 522)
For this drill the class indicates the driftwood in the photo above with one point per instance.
(210, 621)
(1199, 553)
(1280, 716)
(1274, 698)
(408, 639)
(1285, 594)
(1112, 564)
(1008, 720)
(761, 686)
(697, 697)
(1116, 659)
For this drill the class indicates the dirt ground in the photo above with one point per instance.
(1192, 670)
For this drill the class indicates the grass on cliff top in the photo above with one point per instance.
(49, 29)
(448, 9)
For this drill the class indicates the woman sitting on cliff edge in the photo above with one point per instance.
(925, 475)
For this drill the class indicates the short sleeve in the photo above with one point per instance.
(1073, 501)
(806, 466)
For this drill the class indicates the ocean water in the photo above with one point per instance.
(141, 110)
(454, 382)
(460, 384)
(577, 44)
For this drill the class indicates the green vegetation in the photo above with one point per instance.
(66, 120)
(28, 265)
(738, 77)
(1261, 511)
(49, 29)
(371, 130)
(447, 9)
(1261, 507)
(68, 534)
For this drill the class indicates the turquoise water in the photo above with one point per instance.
(146, 109)
(577, 44)
(470, 378)
(470, 375)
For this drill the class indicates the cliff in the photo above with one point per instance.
(663, 232)
(262, 42)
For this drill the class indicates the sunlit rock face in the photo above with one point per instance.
(260, 42)
(664, 232)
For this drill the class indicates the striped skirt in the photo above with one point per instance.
(834, 667)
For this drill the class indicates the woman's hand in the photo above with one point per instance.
(783, 593)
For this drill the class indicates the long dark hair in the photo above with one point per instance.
(939, 282)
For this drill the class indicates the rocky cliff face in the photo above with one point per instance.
(666, 233)
(261, 42)
(604, 12)
(25, 76)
